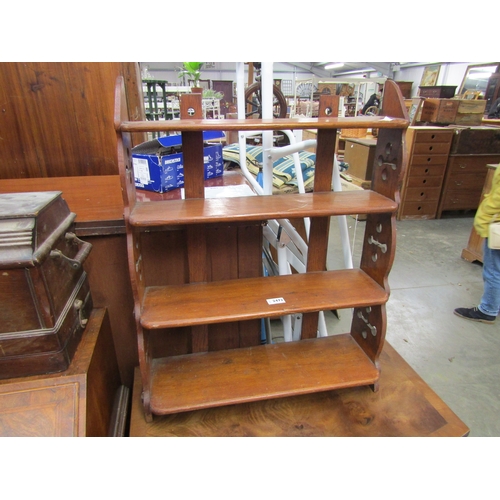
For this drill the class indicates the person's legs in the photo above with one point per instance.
(488, 308)
(490, 301)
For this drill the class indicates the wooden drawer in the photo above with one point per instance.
(433, 136)
(428, 165)
(429, 160)
(419, 210)
(426, 171)
(460, 200)
(429, 181)
(423, 194)
(428, 148)
(471, 164)
(470, 181)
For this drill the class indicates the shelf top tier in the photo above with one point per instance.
(262, 124)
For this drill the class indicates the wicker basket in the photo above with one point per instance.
(353, 132)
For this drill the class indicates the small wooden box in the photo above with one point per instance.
(438, 91)
(470, 112)
(44, 292)
(442, 111)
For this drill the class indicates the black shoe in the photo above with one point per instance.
(474, 314)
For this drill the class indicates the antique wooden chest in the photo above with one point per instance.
(44, 293)
(438, 91)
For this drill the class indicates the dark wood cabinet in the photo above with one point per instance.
(465, 177)
(405, 88)
(472, 149)
(226, 87)
(77, 402)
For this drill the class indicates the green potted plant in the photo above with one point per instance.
(193, 71)
(212, 94)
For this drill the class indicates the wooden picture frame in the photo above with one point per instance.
(430, 75)
(472, 79)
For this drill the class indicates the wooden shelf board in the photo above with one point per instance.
(217, 378)
(262, 124)
(248, 208)
(243, 299)
(404, 406)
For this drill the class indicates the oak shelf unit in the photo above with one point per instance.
(203, 378)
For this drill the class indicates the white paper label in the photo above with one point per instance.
(278, 300)
(141, 170)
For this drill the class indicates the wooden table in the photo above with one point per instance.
(404, 406)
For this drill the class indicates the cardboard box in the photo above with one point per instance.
(158, 164)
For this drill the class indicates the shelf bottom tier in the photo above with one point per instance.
(219, 378)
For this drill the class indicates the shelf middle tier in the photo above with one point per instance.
(248, 208)
(250, 298)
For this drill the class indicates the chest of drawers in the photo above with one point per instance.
(428, 149)
(464, 180)
(472, 149)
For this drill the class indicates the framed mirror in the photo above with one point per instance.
(477, 76)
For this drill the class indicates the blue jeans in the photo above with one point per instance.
(490, 301)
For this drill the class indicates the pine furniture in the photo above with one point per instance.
(205, 304)
(428, 149)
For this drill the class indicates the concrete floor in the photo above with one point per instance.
(458, 359)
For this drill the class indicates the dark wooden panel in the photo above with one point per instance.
(109, 281)
(57, 118)
(76, 402)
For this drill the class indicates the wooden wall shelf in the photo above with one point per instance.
(237, 296)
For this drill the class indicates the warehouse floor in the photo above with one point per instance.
(458, 359)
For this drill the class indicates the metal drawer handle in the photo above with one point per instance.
(80, 257)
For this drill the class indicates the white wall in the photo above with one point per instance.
(223, 71)
(449, 74)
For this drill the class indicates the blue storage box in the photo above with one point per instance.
(158, 164)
